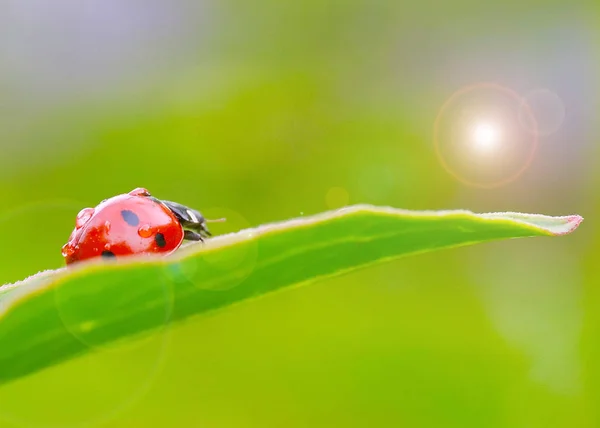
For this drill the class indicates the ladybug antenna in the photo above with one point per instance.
(216, 220)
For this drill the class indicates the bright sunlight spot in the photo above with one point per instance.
(485, 136)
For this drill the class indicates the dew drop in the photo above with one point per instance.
(67, 250)
(145, 231)
(83, 217)
(107, 226)
(139, 191)
(107, 247)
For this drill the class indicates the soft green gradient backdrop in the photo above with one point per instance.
(254, 111)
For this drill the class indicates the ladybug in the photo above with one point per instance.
(133, 223)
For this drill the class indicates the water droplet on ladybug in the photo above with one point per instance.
(145, 231)
(107, 247)
(139, 191)
(107, 225)
(83, 217)
(67, 250)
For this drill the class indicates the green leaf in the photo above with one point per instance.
(57, 315)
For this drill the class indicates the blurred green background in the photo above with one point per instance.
(263, 111)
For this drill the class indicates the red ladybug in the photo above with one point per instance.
(133, 223)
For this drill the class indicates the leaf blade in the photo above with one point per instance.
(57, 315)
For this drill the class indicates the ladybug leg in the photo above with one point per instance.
(190, 235)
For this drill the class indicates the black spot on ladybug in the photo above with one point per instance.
(108, 254)
(130, 217)
(160, 240)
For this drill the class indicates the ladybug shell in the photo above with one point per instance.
(126, 224)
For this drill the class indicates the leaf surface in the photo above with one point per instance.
(56, 315)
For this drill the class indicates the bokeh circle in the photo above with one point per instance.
(215, 269)
(337, 197)
(478, 137)
(548, 109)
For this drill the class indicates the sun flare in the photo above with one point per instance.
(486, 136)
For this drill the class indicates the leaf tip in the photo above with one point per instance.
(570, 223)
(573, 221)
